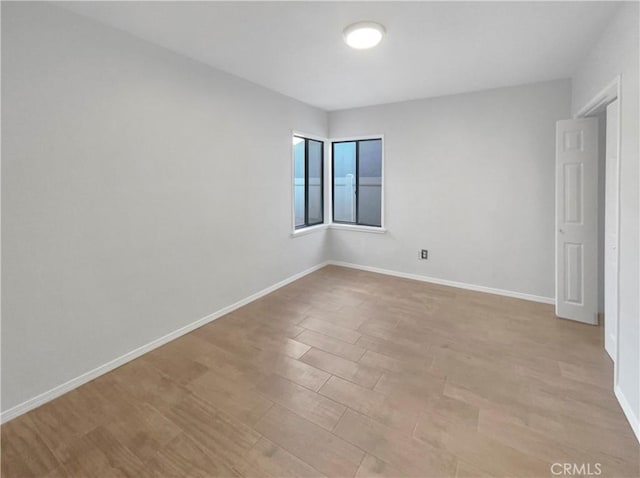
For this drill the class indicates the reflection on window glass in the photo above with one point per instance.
(315, 182)
(308, 161)
(370, 182)
(299, 184)
(357, 182)
(344, 184)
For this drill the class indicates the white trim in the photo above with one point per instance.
(382, 188)
(309, 230)
(76, 382)
(604, 96)
(357, 137)
(614, 341)
(55, 392)
(296, 232)
(314, 137)
(356, 227)
(628, 411)
(459, 285)
(609, 93)
(336, 225)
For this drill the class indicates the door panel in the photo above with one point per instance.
(573, 285)
(576, 219)
(573, 193)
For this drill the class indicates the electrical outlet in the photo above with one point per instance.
(424, 254)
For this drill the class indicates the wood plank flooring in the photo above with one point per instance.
(345, 373)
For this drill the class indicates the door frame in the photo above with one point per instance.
(609, 93)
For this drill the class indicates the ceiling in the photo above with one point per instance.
(431, 48)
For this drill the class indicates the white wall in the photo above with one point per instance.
(617, 53)
(141, 191)
(470, 178)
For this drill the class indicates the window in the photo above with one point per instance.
(357, 182)
(308, 186)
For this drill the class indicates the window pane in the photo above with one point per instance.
(370, 182)
(344, 184)
(315, 182)
(298, 174)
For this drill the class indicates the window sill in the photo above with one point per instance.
(334, 225)
(309, 230)
(349, 227)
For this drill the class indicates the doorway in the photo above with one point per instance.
(595, 194)
(608, 220)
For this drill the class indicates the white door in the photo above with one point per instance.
(577, 220)
(611, 231)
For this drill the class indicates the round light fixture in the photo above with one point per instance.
(363, 35)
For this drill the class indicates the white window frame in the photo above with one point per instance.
(328, 185)
(326, 200)
(356, 227)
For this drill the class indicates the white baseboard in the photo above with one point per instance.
(628, 411)
(624, 403)
(459, 285)
(55, 392)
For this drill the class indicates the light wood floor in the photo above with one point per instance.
(345, 373)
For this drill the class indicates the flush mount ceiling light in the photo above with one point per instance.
(363, 35)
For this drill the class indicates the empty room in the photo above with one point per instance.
(320, 239)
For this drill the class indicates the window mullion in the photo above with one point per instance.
(306, 182)
(333, 181)
(357, 190)
(322, 181)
